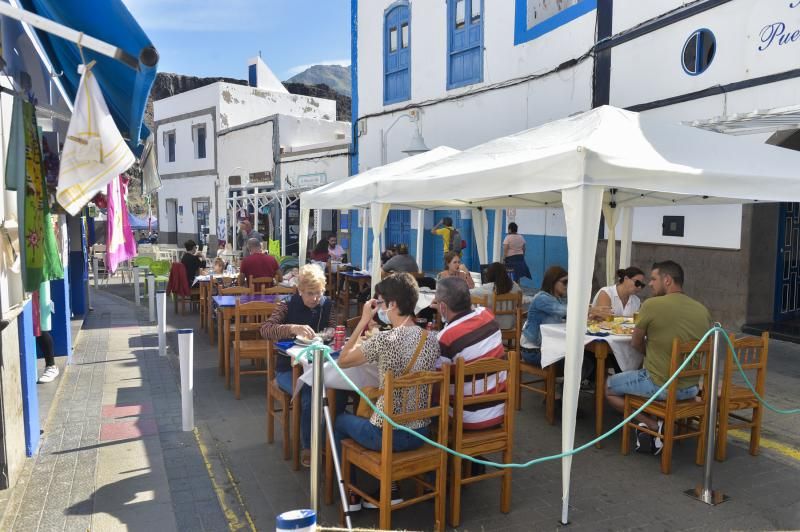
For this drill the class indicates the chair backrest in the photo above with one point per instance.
(480, 301)
(142, 261)
(278, 290)
(236, 291)
(415, 391)
(471, 382)
(752, 352)
(258, 283)
(507, 304)
(697, 369)
(350, 324)
(160, 267)
(248, 317)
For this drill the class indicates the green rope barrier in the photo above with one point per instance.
(306, 353)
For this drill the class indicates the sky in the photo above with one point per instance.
(217, 37)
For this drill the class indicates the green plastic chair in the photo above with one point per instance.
(143, 262)
(160, 269)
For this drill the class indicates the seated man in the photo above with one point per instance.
(258, 264)
(669, 314)
(402, 262)
(192, 261)
(335, 251)
(472, 335)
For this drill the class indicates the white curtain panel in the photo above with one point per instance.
(379, 212)
(611, 214)
(480, 225)
(304, 218)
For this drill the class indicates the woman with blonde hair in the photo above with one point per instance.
(305, 314)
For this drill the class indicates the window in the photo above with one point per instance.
(698, 52)
(199, 138)
(534, 18)
(397, 53)
(169, 145)
(464, 42)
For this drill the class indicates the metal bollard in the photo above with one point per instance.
(94, 270)
(705, 493)
(137, 293)
(151, 296)
(186, 359)
(316, 428)
(162, 322)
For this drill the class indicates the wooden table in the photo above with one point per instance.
(226, 306)
(361, 280)
(553, 349)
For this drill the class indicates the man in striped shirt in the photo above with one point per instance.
(472, 335)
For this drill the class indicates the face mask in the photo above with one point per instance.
(383, 316)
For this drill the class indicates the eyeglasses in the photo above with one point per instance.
(639, 284)
(380, 302)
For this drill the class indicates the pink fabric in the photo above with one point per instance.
(120, 245)
(516, 243)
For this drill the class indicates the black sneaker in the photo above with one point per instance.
(396, 498)
(644, 441)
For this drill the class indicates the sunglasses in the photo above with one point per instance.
(639, 284)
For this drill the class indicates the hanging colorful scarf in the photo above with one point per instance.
(121, 245)
(42, 262)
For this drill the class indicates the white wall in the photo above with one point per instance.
(333, 167)
(240, 104)
(629, 13)
(300, 131)
(185, 160)
(184, 190)
(246, 151)
(186, 102)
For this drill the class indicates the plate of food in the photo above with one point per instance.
(622, 329)
(302, 340)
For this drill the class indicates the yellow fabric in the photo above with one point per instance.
(444, 232)
(663, 318)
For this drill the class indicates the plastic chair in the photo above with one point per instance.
(160, 270)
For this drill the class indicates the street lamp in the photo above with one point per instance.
(417, 144)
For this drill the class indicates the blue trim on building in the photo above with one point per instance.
(28, 377)
(354, 90)
(463, 51)
(61, 330)
(523, 34)
(401, 96)
(541, 252)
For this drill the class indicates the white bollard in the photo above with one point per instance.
(151, 296)
(137, 294)
(186, 358)
(94, 270)
(162, 322)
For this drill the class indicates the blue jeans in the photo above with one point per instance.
(284, 379)
(638, 382)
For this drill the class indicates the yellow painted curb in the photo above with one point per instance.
(785, 450)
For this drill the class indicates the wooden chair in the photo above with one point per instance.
(247, 341)
(331, 281)
(543, 382)
(236, 291)
(479, 300)
(288, 417)
(752, 353)
(499, 439)
(260, 283)
(672, 410)
(345, 295)
(278, 290)
(387, 466)
(509, 304)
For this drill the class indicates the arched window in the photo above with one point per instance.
(397, 53)
(464, 42)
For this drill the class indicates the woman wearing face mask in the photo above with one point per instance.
(403, 349)
(622, 298)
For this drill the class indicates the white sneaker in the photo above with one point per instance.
(49, 375)
(396, 497)
(658, 443)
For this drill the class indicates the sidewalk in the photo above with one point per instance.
(114, 455)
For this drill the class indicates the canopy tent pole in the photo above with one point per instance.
(420, 236)
(364, 237)
(582, 207)
(317, 225)
(626, 236)
(379, 212)
(67, 33)
(611, 213)
(497, 242)
(480, 227)
(305, 213)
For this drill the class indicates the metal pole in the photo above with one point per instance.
(316, 435)
(336, 465)
(137, 293)
(162, 323)
(706, 493)
(186, 359)
(94, 270)
(151, 296)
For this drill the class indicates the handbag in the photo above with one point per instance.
(373, 392)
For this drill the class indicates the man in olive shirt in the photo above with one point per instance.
(669, 314)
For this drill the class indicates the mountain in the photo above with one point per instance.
(336, 77)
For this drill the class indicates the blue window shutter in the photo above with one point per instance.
(397, 54)
(464, 43)
(252, 76)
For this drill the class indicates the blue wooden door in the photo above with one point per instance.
(397, 53)
(787, 289)
(398, 227)
(465, 42)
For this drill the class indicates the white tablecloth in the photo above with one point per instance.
(554, 346)
(364, 375)
(425, 299)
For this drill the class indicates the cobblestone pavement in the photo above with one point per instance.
(609, 491)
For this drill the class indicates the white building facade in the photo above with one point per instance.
(225, 140)
(474, 70)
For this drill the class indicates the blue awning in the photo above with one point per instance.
(125, 81)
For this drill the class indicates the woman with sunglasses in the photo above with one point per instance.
(549, 305)
(620, 299)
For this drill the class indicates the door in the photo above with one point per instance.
(202, 210)
(171, 228)
(398, 227)
(787, 281)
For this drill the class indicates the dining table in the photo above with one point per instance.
(554, 349)
(353, 278)
(204, 282)
(226, 306)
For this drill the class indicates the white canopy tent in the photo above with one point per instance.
(598, 158)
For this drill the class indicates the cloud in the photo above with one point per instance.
(198, 15)
(293, 71)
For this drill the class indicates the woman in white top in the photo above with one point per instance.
(621, 299)
(498, 282)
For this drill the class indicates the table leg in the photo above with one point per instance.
(600, 353)
(346, 300)
(227, 311)
(220, 321)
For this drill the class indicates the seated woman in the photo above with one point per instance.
(620, 299)
(219, 266)
(304, 314)
(393, 351)
(454, 268)
(549, 305)
(498, 282)
(320, 252)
